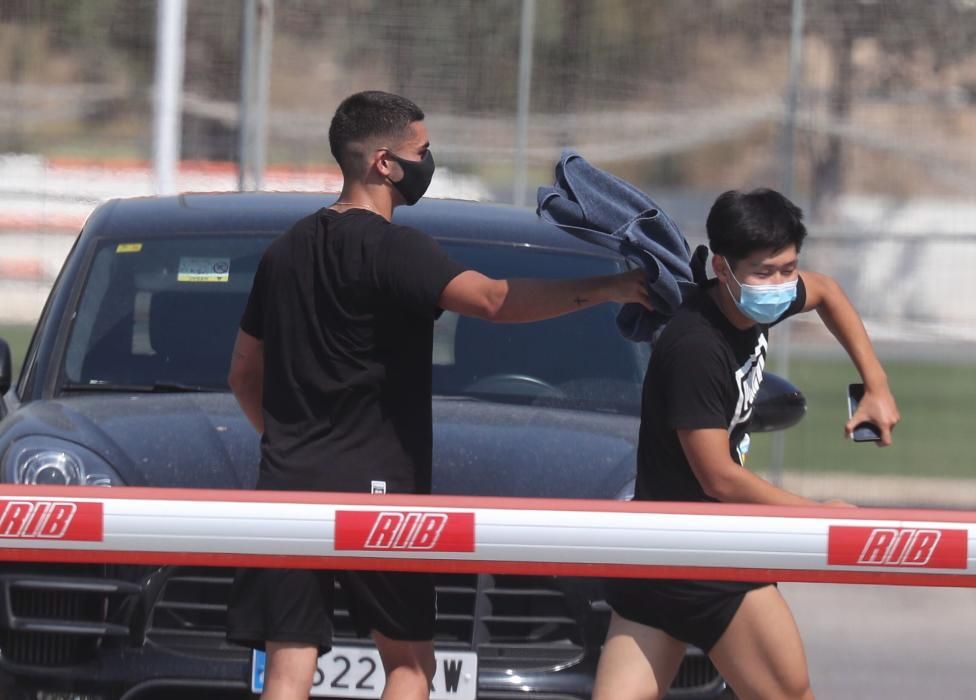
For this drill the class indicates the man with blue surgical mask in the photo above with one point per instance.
(699, 392)
(763, 303)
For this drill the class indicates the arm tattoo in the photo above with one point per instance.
(580, 301)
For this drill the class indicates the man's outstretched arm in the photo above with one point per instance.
(523, 300)
(841, 318)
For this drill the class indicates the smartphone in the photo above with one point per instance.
(863, 432)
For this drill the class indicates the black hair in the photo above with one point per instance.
(365, 116)
(742, 223)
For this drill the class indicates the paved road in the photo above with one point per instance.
(887, 642)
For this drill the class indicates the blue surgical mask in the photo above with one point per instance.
(763, 303)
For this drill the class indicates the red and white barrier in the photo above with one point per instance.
(489, 535)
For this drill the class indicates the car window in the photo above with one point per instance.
(163, 311)
(575, 361)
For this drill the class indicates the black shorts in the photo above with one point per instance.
(695, 612)
(296, 605)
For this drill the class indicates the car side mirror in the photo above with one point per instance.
(6, 373)
(779, 405)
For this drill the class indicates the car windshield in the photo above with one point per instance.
(579, 360)
(162, 314)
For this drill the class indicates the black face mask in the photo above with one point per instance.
(416, 178)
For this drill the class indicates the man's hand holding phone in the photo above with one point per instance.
(871, 416)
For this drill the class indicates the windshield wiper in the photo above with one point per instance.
(155, 388)
(458, 396)
(165, 387)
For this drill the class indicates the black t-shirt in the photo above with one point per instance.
(345, 305)
(703, 373)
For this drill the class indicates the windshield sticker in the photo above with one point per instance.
(128, 247)
(204, 270)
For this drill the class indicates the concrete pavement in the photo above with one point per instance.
(885, 490)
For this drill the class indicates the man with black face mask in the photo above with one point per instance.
(416, 177)
(332, 366)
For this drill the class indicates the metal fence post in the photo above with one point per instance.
(524, 96)
(256, 37)
(168, 88)
(783, 334)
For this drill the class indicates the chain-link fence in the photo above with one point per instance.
(863, 110)
(670, 94)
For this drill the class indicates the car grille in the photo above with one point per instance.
(526, 624)
(61, 620)
(518, 623)
(190, 612)
(695, 673)
(515, 623)
(45, 648)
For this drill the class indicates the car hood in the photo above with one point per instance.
(492, 449)
(198, 440)
(194, 440)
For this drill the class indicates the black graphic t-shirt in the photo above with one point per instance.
(704, 373)
(345, 305)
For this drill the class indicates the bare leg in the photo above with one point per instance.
(409, 667)
(637, 663)
(289, 672)
(761, 654)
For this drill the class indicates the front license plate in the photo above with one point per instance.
(356, 672)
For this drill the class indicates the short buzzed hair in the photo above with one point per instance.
(364, 117)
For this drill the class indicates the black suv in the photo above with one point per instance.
(124, 384)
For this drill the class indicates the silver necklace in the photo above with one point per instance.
(355, 205)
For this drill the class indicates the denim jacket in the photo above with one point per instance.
(603, 209)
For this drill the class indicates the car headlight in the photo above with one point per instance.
(46, 461)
